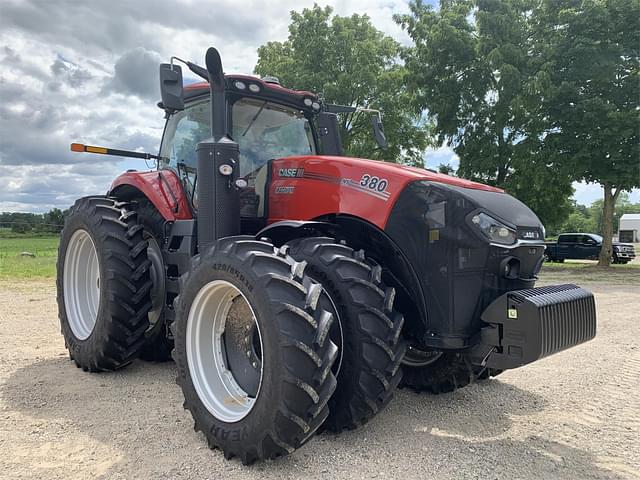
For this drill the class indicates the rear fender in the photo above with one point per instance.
(162, 188)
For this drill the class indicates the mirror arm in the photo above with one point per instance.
(197, 69)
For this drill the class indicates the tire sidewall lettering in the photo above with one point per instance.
(233, 434)
(231, 270)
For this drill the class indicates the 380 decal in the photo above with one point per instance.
(369, 184)
(374, 183)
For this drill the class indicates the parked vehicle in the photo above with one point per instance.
(585, 246)
(289, 279)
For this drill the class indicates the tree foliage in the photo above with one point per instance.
(589, 90)
(40, 223)
(589, 219)
(471, 67)
(349, 62)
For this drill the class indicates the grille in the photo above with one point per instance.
(567, 315)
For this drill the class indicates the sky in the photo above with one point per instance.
(86, 71)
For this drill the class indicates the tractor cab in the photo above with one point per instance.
(266, 120)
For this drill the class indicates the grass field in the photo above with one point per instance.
(14, 265)
(45, 249)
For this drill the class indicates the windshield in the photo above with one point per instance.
(266, 130)
(263, 130)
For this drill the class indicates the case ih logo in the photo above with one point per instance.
(291, 172)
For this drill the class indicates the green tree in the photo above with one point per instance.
(589, 88)
(471, 70)
(54, 220)
(580, 219)
(349, 62)
(446, 169)
(589, 219)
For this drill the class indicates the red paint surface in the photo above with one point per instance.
(324, 190)
(204, 86)
(315, 197)
(159, 191)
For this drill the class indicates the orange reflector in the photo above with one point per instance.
(77, 147)
(95, 149)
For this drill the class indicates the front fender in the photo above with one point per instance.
(281, 232)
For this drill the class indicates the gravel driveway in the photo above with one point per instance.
(573, 415)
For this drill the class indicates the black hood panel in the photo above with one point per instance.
(459, 271)
(503, 206)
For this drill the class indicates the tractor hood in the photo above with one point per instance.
(403, 172)
(369, 189)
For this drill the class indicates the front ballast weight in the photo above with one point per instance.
(527, 325)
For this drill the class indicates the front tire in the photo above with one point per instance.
(371, 347)
(103, 284)
(253, 352)
(440, 372)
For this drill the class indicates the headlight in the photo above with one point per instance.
(494, 230)
(616, 247)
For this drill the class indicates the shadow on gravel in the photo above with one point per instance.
(138, 412)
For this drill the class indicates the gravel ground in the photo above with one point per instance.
(573, 415)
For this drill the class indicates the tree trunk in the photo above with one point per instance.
(607, 225)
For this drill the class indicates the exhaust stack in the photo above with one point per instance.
(217, 157)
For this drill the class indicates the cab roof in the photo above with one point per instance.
(269, 88)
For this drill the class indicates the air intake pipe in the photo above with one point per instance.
(217, 157)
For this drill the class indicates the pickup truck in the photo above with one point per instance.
(585, 246)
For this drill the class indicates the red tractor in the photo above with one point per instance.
(297, 287)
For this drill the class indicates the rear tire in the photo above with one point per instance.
(157, 346)
(371, 347)
(103, 284)
(246, 417)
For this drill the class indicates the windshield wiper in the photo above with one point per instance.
(254, 119)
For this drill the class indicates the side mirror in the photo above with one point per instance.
(378, 131)
(171, 87)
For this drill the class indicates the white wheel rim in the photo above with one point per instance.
(207, 358)
(81, 283)
(158, 291)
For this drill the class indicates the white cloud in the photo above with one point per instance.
(587, 193)
(87, 72)
(443, 155)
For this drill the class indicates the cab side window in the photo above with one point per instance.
(183, 132)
